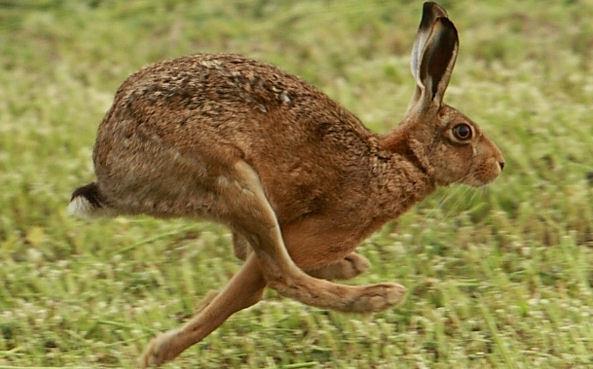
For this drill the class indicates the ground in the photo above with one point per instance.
(499, 277)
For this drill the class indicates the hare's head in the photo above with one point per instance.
(449, 146)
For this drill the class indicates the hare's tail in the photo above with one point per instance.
(87, 202)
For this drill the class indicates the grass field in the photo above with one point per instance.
(496, 278)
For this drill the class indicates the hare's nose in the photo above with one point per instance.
(501, 164)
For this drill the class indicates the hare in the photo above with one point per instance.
(296, 177)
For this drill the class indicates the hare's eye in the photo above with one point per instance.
(462, 132)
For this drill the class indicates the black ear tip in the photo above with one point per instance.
(432, 8)
(447, 25)
(427, 5)
(431, 11)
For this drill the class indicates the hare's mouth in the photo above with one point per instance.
(483, 175)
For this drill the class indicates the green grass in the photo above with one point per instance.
(497, 278)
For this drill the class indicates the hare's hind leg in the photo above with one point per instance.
(244, 289)
(250, 214)
(241, 246)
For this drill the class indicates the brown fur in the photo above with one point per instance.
(297, 177)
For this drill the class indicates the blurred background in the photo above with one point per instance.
(499, 277)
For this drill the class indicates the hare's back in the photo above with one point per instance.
(232, 93)
(226, 107)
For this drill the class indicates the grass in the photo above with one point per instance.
(496, 278)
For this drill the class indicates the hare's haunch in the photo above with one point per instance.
(297, 178)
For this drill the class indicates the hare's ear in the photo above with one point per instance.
(433, 56)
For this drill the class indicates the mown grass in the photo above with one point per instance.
(497, 278)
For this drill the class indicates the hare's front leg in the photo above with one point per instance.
(349, 267)
(244, 289)
(248, 212)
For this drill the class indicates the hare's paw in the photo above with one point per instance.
(353, 265)
(349, 267)
(158, 351)
(378, 297)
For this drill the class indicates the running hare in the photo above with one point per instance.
(297, 178)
